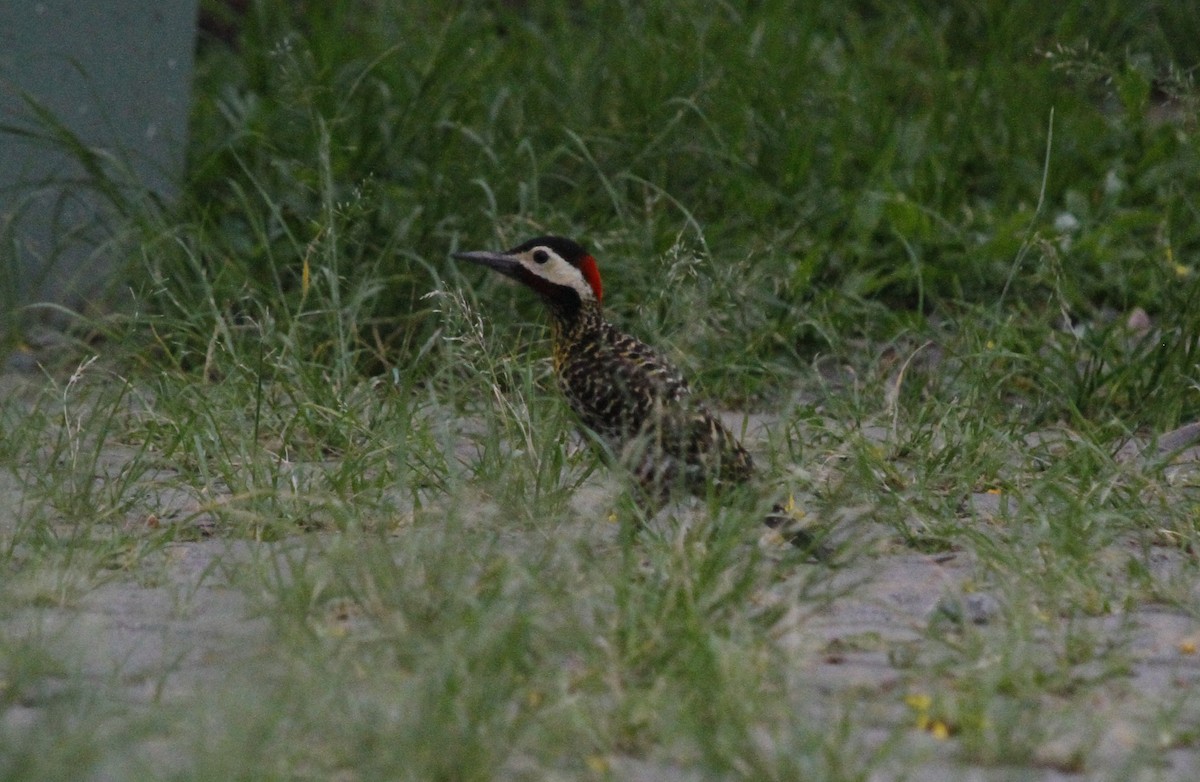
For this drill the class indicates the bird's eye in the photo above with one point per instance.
(541, 256)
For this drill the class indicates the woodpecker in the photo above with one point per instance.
(635, 401)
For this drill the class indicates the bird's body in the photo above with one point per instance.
(641, 407)
(635, 401)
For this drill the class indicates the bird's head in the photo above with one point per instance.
(559, 270)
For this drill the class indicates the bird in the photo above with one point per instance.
(638, 404)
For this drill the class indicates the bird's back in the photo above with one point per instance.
(641, 407)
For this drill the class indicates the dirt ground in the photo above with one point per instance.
(195, 633)
(188, 628)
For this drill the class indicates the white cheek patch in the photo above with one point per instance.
(559, 272)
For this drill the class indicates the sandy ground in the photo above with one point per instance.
(195, 633)
(190, 629)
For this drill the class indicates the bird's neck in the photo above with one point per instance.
(570, 325)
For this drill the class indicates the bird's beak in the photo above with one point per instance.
(505, 264)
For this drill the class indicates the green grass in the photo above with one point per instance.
(948, 252)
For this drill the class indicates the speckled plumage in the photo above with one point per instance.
(641, 407)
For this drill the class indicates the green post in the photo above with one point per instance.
(93, 117)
